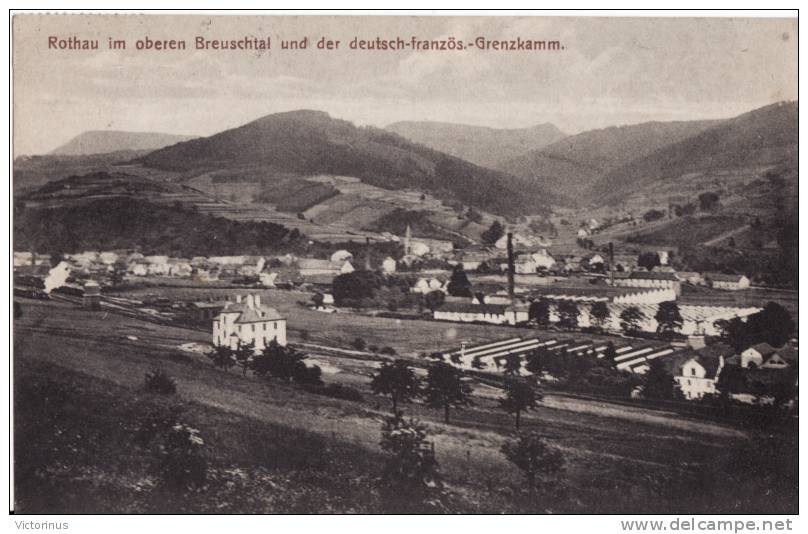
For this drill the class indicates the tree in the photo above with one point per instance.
(536, 360)
(610, 353)
(317, 299)
(630, 319)
(358, 344)
(659, 383)
(445, 388)
(773, 324)
(477, 363)
(222, 357)
(459, 285)
(279, 362)
(568, 314)
(356, 286)
(410, 475)
(539, 311)
(434, 299)
(243, 354)
(119, 269)
(648, 260)
(398, 380)
(513, 365)
(520, 395)
(668, 318)
(598, 314)
(708, 200)
(653, 215)
(533, 456)
(307, 375)
(494, 233)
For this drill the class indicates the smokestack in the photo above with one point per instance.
(511, 267)
(611, 263)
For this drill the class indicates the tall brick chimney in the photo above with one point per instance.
(511, 267)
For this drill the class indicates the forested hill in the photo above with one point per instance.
(311, 142)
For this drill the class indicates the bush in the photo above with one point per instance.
(303, 374)
(337, 391)
(358, 344)
(390, 351)
(182, 464)
(158, 381)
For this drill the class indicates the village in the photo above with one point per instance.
(633, 313)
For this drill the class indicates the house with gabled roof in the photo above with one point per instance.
(247, 321)
(763, 355)
(697, 374)
(655, 279)
(729, 282)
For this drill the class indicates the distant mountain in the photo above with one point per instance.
(105, 141)
(309, 142)
(480, 145)
(763, 137)
(570, 166)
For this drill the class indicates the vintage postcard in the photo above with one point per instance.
(421, 264)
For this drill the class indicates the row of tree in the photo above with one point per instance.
(284, 363)
(445, 388)
(668, 317)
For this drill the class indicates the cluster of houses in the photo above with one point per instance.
(757, 373)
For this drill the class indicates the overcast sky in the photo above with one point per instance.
(612, 71)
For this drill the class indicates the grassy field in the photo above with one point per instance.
(293, 451)
(407, 337)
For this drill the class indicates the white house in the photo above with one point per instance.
(267, 279)
(341, 256)
(543, 259)
(730, 282)
(314, 267)
(765, 356)
(518, 240)
(248, 321)
(522, 265)
(652, 279)
(252, 265)
(469, 313)
(389, 265)
(179, 267)
(107, 258)
(427, 285)
(697, 375)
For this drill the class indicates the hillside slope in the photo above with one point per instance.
(478, 144)
(311, 142)
(571, 165)
(762, 137)
(105, 141)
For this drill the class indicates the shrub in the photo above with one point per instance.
(531, 454)
(182, 464)
(158, 381)
(358, 344)
(390, 351)
(410, 479)
(337, 391)
(304, 374)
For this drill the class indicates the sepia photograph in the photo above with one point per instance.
(405, 263)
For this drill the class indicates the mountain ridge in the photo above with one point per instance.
(481, 145)
(308, 142)
(93, 142)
